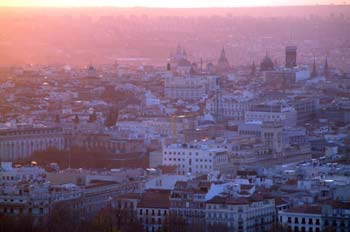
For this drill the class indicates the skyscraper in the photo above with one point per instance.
(291, 56)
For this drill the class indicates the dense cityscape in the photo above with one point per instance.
(212, 123)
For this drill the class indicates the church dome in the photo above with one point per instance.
(266, 64)
(184, 62)
(223, 64)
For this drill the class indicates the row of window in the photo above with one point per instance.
(310, 221)
(178, 159)
(152, 212)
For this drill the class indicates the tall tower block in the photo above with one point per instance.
(291, 56)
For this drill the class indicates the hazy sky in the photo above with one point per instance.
(166, 3)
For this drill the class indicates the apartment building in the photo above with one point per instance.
(196, 158)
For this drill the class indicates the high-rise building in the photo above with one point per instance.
(291, 56)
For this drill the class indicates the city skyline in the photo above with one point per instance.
(215, 116)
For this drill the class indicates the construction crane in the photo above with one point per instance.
(174, 119)
(189, 115)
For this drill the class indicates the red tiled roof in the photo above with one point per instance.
(292, 182)
(129, 196)
(155, 198)
(246, 186)
(244, 193)
(246, 173)
(99, 183)
(167, 169)
(280, 201)
(306, 209)
(228, 200)
(337, 204)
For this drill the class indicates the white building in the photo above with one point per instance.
(303, 218)
(24, 191)
(229, 107)
(285, 115)
(189, 88)
(241, 214)
(196, 158)
(20, 142)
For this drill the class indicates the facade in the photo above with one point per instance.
(303, 218)
(272, 137)
(20, 143)
(265, 113)
(24, 191)
(187, 200)
(153, 209)
(125, 206)
(336, 216)
(291, 56)
(280, 77)
(306, 108)
(196, 158)
(184, 88)
(250, 155)
(189, 88)
(241, 214)
(98, 194)
(107, 142)
(155, 159)
(229, 108)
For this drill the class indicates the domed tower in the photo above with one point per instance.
(326, 68)
(266, 64)
(91, 72)
(253, 69)
(223, 65)
(314, 70)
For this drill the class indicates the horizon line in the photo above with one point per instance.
(164, 7)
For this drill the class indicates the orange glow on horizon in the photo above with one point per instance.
(166, 3)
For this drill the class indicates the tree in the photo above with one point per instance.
(111, 118)
(57, 118)
(175, 223)
(63, 218)
(18, 223)
(110, 220)
(218, 227)
(92, 117)
(76, 119)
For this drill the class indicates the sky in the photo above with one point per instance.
(166, 3)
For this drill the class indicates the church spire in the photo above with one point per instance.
(223, 54)
(253, 72)
(326, 71)
(223, 64)
(314, 70)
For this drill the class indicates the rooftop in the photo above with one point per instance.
(306, 209)
(155, 198)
